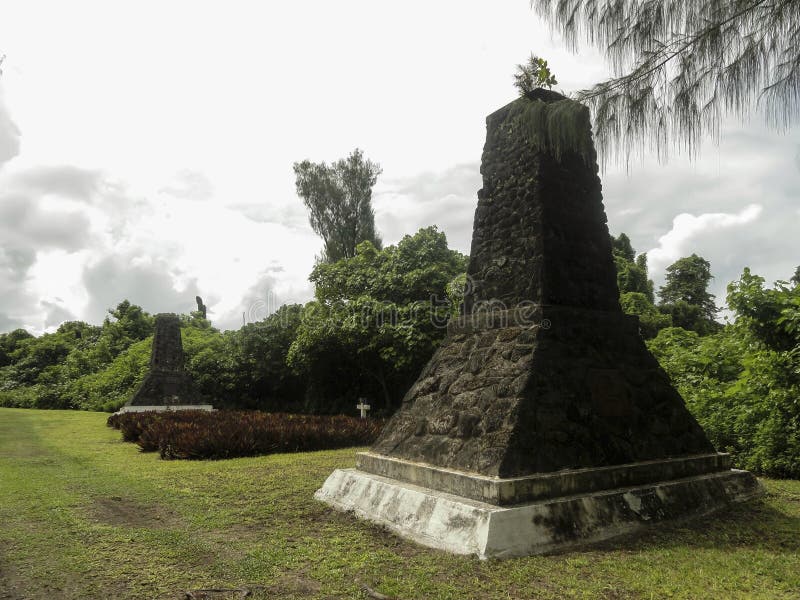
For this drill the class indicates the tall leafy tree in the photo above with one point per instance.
(339, 201)
(621, 247)
(685, 294)
(247, 369)
(377, 318)
(631, 269)
(772, 315)
(635, 288)
(680, 66)
(743, 381)
(9, 342)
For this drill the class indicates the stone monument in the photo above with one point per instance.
(201, 308)
(168, 386)
(542, 421)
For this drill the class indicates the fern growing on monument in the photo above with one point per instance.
(548, 120)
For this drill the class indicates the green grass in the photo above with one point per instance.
(84, 515)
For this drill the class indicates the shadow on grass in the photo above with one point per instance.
(756, 524)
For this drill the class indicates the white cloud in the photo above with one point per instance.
(90, 240)
(190, 185)
(687, 230)
(9, 133)
(163, 169)
(444, 198)
(56, 313)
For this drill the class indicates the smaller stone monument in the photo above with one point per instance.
(168, 386)
(201, 308)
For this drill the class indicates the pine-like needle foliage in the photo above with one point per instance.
(681, 65)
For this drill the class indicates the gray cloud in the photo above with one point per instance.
(25, 223)
(62, 180)
(446, 199)
(45, 208)
(150, 285)
(189, 185)
(28, 222)
(9, 134)
(14, 263)
(753, 167)
(460, 180)
(261, 299)
(16, 302)
(8, 323)
(292, 215)
(56, 313)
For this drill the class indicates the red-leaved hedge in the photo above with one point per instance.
(199, 434)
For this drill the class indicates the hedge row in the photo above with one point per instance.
(197, 434)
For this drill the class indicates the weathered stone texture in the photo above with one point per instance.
(544, 372)
(167, 383)
(540, 231)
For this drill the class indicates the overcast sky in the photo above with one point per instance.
(146, 149)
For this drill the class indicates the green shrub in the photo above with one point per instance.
(744, 395)
(22, 397)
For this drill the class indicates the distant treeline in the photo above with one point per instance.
(377, 318)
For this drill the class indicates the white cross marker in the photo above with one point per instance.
(363, 407)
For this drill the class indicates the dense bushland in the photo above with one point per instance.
(376, 319)
(742, 383)
(378, 316)
(197, 434)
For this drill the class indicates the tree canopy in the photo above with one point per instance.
(742, 382)
(636, 288)
(687, 279)
(377, 319)
(680, 66)
(685, 295)
(339, 201)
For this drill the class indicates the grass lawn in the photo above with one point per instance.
(84, 515)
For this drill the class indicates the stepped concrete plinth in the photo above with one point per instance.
(542, 421)
(462, 525)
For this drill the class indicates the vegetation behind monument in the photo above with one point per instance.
(372, 324)
(378, 316)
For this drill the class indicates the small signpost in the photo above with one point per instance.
(363, 407)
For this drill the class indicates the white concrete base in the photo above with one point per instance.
(463, 526)
(127, 409)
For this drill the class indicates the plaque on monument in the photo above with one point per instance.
(542, 420)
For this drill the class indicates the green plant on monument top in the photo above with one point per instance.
(533, 75)
(558, 124)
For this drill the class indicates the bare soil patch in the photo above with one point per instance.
(11, 586)
(125, 512)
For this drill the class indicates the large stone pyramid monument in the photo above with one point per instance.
(167, 386)
(542, 420)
